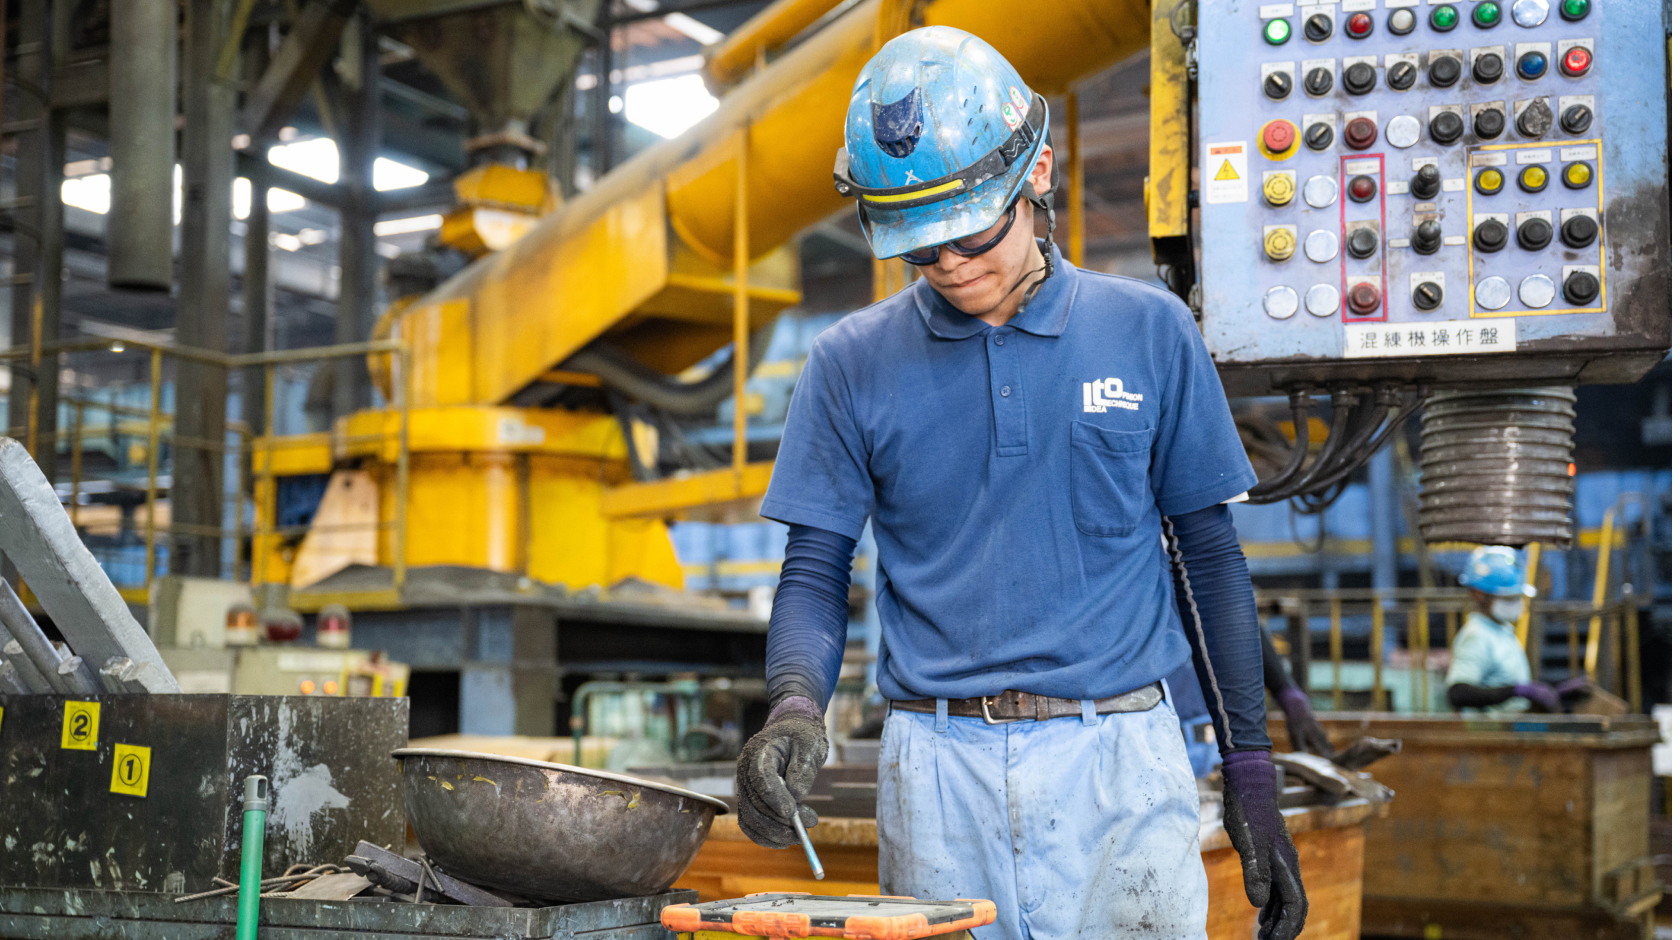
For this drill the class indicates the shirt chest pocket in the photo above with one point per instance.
(1110, 479)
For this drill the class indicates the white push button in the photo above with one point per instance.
(1493, 293)
(1281, 303)
(1320, 192)
(1536, 290)
(1322, 245)
(1323, 300)
(1403, 131)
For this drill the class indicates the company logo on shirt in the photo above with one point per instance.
(1103, 394)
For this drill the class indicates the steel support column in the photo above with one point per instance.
(256, 290)
(38, 244)
(201, 320)
(357, 262)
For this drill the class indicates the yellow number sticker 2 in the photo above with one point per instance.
(131, 770)
(81, 726)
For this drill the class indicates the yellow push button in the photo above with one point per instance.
(1280, 244)
(1533, 179)
(1577, 175)
(1279, 188)
(1489, 181)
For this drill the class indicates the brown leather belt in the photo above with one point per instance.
(1026, 706)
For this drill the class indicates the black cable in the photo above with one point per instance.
(1301, 402)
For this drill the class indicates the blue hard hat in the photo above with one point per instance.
(941, 134)
(1493, 569)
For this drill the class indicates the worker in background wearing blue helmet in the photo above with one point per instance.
(1044, 454)
(1489, 671)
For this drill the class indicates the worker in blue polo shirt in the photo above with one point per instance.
(1045, 454)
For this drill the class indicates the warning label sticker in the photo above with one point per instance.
(1226, 169)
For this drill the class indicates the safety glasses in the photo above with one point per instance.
(977, 244)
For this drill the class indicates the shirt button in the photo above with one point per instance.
(1006, 391)
(998, 339)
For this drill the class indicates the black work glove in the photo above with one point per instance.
(776, 770)
(1305, 733)
(1271, 870)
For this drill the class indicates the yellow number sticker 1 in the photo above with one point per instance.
(81, 726)
(132, 769)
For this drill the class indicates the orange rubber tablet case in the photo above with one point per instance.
(861, 917)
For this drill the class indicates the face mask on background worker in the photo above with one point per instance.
(1507, 609)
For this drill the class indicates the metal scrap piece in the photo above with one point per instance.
(1365, 752)
(404, 876)
(37, 537)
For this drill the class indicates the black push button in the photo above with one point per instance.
(1580, 288)
(1362, 243)
(1318, 82)
(1534, 234)
(1426, 183)
(1579, 231)
(1446, 127)
(1278, 85)
(1445, 71)
(1490, 123)
(1359, 78)
(1427, 296)
(1426, 238)
(1489, 68)
(1490, 235)
(1576, 119)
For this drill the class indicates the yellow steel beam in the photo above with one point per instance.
(1076, 185)
(674, 497)
(593, 264)
(1167, 192)
(1601, 588)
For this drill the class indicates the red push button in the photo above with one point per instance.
(1362, 188)
(1278, 136)
(1359, 25)
(1363, 299)
(1576, 62)
(1360, 133)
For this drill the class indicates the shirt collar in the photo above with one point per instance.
(1492, 624)
(1045, 315)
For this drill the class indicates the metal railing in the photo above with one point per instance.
(160, 426)
(1430, 619)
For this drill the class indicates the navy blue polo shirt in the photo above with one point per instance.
(1016, 476)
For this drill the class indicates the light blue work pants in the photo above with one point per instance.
(1074, 827)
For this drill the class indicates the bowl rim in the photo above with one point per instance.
(405, 752)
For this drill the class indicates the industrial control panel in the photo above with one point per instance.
(1458, 192)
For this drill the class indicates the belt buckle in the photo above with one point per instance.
(986, 713)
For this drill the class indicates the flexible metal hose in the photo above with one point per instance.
(624, 374)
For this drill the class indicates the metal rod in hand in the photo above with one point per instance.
(805, 840)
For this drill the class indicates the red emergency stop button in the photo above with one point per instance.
(1360, 133)
(1359, 25)
(1576, 62)
(1278, 136)
(1363, 299)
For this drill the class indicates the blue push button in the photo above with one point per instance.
(1532, 65)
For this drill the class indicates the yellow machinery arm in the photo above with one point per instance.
(607, 264)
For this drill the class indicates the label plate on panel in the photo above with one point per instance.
(1227, 165)
(1445, 338)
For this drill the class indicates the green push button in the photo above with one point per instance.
(1443, 18)
(1576, 9)
(1277, 31)
(1486, 14)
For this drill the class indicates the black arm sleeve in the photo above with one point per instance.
(1465, 695)
(808, 619)
(1277, 674)
(1216, 606)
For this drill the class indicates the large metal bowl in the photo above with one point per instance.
(550, 831)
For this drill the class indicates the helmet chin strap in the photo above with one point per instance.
(1044, 203)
